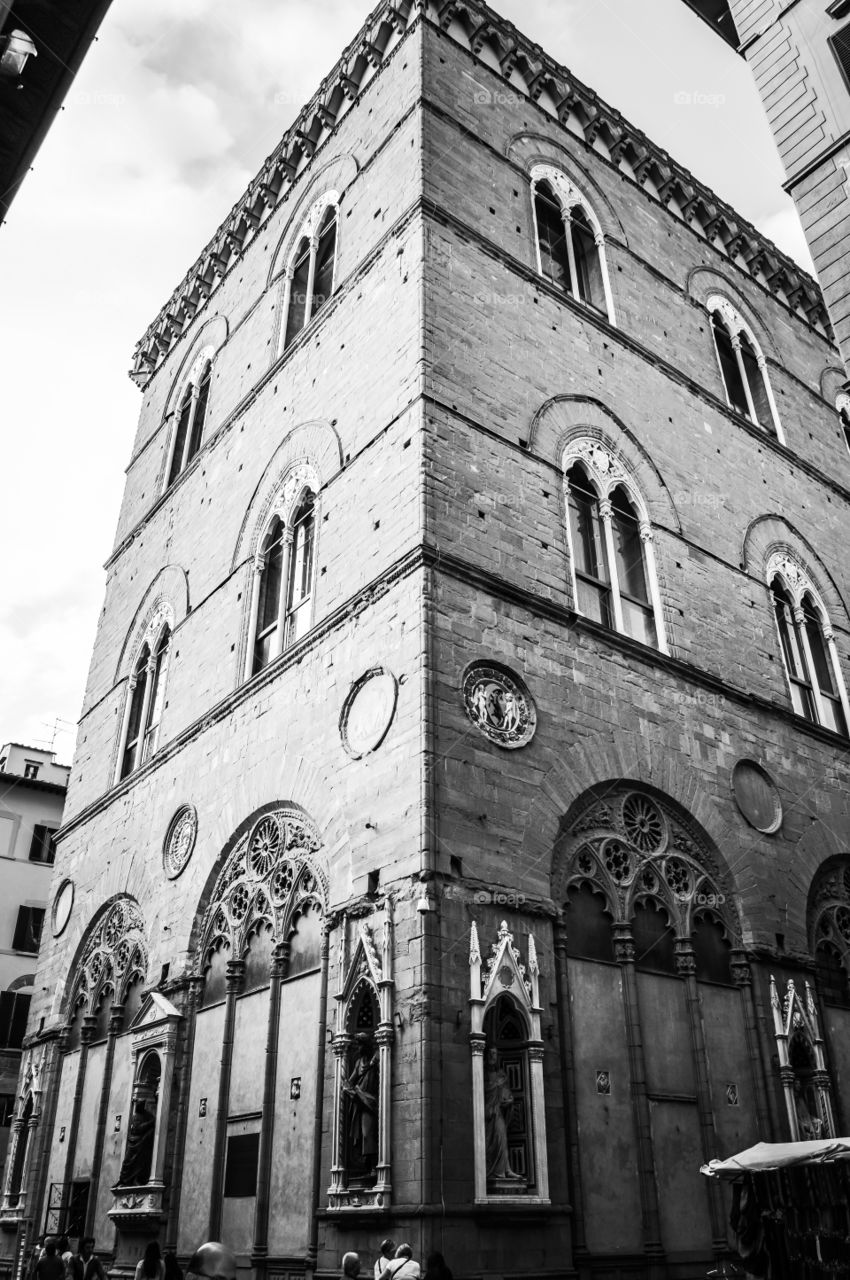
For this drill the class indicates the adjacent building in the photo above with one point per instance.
(32, 794)
(456, 846)
(800, 58)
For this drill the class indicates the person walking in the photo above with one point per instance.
(212, 1261)
(90, 1267)
(151, 1266)
(436, 1269)
(66, 1254)
(385, 1257)
(50, 1266)
(350, 1266)
(173, 1270)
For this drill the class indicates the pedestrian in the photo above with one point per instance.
(350, 1266)
(35, 1255)
(173, 1270)
(402, 1266)
(91, 1267)
(385, 1257)
(436, 1269)
(50, 1266)
(212, 1261)
(151, 1266)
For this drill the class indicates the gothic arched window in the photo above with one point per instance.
(829, 930)
(842, 404)
(570, 242)
(191, 416)
(282, 593)
(807, 646)
(310, 271)
(145, 700)
(611, 548)
(743, 367)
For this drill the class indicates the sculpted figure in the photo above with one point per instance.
(361, 1088)
(809, 1125)
(138, 1154)
(498, 1101)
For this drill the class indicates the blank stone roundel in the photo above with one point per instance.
(368, 712)
(62, 904)
(757, 797)
(179, 841)
(498, 703)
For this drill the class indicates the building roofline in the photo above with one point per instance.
(37, 784)
(371, 47)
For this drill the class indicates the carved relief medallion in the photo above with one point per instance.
(368, 712)
(499, 704)
(179, 841)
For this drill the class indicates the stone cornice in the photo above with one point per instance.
(476, 24)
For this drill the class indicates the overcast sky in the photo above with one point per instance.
(168, 120)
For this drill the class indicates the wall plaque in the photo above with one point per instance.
(498, 703)
(179, 841)
(368, 712)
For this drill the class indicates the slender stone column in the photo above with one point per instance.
(610, 555)
(771, 400)
(196, 992)
(341, 1046)
(74, 1127)
(321, 1042)
(686, 968)
(235, 978)
(193, 410)
(125, 724)
(256, 578)
(279, 966)
(568, 1080)
(651, 570)
(479, 1125)
(285, 570)
(743, 978)
(599, 241)
(837, 674)
(624, 951)
(116, 1019)
(739, 358)
(817, 696)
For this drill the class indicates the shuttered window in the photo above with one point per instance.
(43, 847)
(840, 44)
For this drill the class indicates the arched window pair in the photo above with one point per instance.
(743, 367)
(282, 592)
(191, 417)
(808, 647)
(309, 276)
(570, 243)
(144, 705)
(611, 552)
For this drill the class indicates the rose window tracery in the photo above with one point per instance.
(637, 847)
(115, 952)
(829, 918)
(272, 875)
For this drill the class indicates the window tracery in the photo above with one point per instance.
(829, 929)
(274, 876)
(612, 555)
(114, 961)
(743, 367)
(281, 601)
(146, 694)
(634, 851)
(310, 271)
(570, 241)
(807, 644)
(842, 405)
(188, 432)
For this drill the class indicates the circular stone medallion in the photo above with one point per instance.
(62, 904)
(179, 841)
(368, 712)
(757, 797)
(499, 704)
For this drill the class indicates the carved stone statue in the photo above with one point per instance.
(138, 1153)
(360, 1086)
(808, 1125)
(498, 1101)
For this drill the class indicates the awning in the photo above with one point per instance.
(765, 1156)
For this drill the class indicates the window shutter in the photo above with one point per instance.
(20, 1013)
(841, 48)
(7, 1005)
(37, 848)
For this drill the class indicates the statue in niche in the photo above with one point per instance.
(498, 1102)
(138, 1154)
(360, 1086)
(809, 1125)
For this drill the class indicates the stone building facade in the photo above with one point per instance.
(457, 843)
